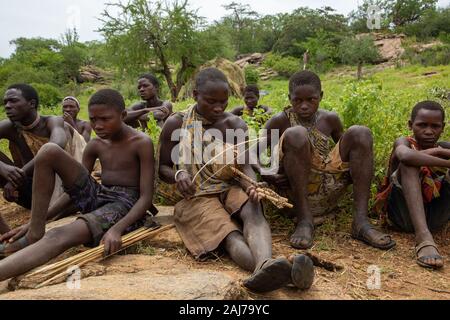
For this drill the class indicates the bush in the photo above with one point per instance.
(251, 75)
(438, 55)
(285, 66)
(49, 96)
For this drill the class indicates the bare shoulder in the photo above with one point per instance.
(278, 121)
(54, 121)
(175, 121)
(402, 141)
(6, 128)
(234, 122)
(167, 104)
(330, 116)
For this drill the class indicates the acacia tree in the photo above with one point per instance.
(358, 51)
(146, 31)
(243, 21)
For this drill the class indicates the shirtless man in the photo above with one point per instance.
(26, 132)
(315, 174)
(71, 108)
(109, 210)
(148, 87)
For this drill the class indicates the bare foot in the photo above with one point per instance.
(302, 238)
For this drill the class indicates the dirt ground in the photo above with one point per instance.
(401, 277)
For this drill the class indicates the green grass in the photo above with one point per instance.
(395, 92)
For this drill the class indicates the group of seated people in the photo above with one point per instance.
(317, 160)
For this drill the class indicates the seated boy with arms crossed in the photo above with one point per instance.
(415, 196)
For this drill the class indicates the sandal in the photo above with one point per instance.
(23, 243)
(421, 260)
(362, 235)
(302, 273)
(271, 275)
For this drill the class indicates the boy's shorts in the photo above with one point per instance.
(437, 212)
(102, 206)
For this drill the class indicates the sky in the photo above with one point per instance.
(51, 18)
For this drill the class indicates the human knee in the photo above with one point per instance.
(296, 138)
(48, 151)
(55, 235)
(360, 135)
(251, 215)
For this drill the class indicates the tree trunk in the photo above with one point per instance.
(166, 71)
(359, 74)
(181, 75)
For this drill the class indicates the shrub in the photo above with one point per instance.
(285, 66)
(251, 75)
(49, 95)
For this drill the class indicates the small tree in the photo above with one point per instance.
(146, 31)
(358, 51)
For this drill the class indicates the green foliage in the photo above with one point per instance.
(49, 95)
(257, 120)
(153, 130)
(437, 55)
(305, 23)
(162, 32)
(322, 50)
(285, 66)
(358, 50)
(251, 74)
(432, 23)
(393, 13)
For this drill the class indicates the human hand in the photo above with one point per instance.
(68, 118)
(185, 185)
(253, 195)
(14, 175)
(112, 240)
(15, 234)
(10, 192)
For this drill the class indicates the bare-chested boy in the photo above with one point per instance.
(251, 99)
(148, 87)
(71, 108)
(27, 132)
(109, 210)
(416, 194)
(313, 171)
(216, 210)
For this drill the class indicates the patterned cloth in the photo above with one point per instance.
(75, 147)
(329, 177)
(211, 174)
(431, 178)
(102, 206)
